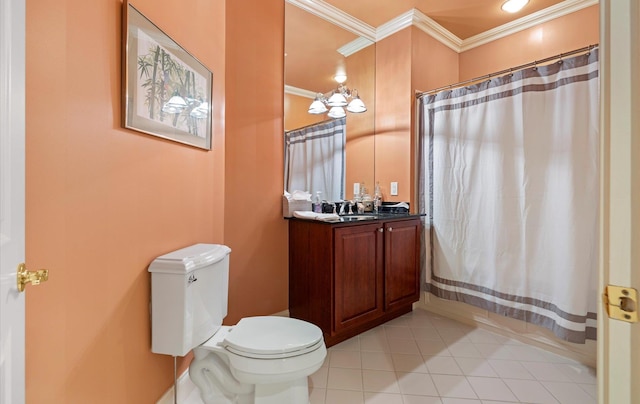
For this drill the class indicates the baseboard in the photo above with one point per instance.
(186, 387)
(509, 327)
(283, 313)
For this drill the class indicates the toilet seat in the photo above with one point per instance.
(272, 337)
(287, 349)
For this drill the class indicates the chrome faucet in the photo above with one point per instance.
(342, 208)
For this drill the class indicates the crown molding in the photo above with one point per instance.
(437, 31)
(526, 22)
(336, 16)
(419, 20)
(422, 22)
(354, 46)
(392, 26)
(414, 17)
(299, 92)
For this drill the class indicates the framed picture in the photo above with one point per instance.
(167, 91)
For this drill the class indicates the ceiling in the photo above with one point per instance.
(311, 42)
(463, 18)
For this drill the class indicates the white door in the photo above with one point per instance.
(12, 157)
(619, 342)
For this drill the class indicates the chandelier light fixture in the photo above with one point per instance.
(337, 100)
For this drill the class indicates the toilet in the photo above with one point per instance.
(262, 360)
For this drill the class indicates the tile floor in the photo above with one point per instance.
(427, 359)
(422, 358)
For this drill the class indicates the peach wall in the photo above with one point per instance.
(361, 127)
(102, 201)
(254, 227)
(407, 61)
(393, 114)
(295, 112)
(562, 34)
(433, 65)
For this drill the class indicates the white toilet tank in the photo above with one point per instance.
(189, 290)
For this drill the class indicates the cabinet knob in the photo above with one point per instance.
(390, 228)
(381, 230)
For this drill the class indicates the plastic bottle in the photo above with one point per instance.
(317, 203)
(377, 198)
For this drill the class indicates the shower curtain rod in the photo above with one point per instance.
(511, 70)
(310, 125)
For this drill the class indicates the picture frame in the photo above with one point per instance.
(166, 90)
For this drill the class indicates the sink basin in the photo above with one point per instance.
(350, 218)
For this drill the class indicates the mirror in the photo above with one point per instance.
(315, 51)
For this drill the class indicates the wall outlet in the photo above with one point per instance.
(394, 188)
(356, 188)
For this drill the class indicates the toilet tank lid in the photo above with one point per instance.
(189, 258)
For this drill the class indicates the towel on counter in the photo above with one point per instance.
(325, 217)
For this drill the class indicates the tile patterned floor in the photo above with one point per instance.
(422, 358)
(427, 359)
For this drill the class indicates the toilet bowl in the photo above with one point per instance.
(261, 360)
(269, 357)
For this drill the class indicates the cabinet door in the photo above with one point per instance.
(402, 262)
(358, 275)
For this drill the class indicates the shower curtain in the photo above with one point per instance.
(315, 159)
(509, 184)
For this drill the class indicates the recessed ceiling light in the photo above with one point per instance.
(513, 6)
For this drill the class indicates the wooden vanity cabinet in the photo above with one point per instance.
(401, 263)
(349, 277)
(358, 275)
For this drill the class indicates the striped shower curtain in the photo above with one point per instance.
(314, 159)
(509, 183)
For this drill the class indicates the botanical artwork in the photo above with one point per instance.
(163, 78)
(167, 91)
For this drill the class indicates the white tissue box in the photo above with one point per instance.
(290, 206)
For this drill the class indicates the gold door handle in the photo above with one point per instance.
(33, 277)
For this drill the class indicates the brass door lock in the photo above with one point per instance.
(621, 303)
(33, 277)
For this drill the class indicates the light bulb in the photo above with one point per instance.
(336, 112)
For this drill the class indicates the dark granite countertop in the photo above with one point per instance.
(363, 218)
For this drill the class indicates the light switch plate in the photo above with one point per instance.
(394, 188)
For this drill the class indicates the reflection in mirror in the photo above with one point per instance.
(316, 51)
(314, 159)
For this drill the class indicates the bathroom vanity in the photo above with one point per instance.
(349, 276)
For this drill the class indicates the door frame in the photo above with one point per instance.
(12, 198)
(618, 341)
